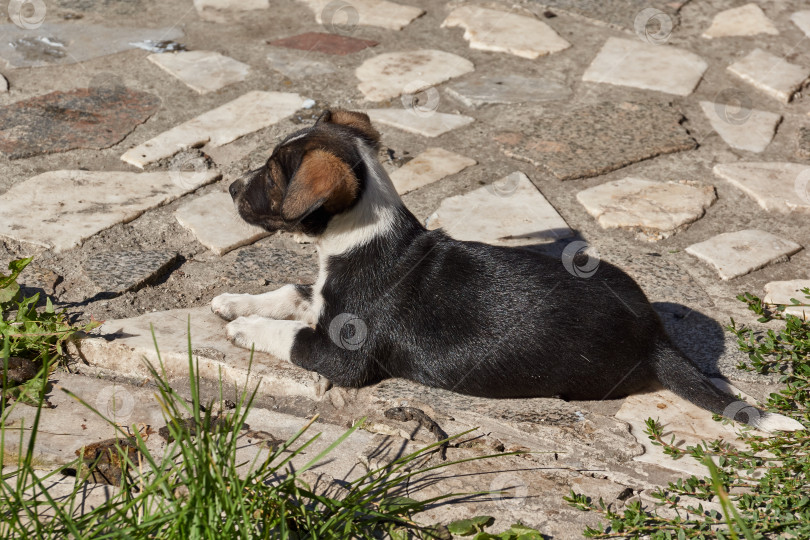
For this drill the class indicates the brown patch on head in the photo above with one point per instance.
(322, 179)
(355, 120)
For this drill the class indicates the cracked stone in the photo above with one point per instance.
(430, 166)
(777, 187)
(597, 139)
(325, 43)
(122, 271)
(213, 220)
(297, 65)
(430, 124)
(747, 20)
(770, 74)
(499, 31)
(390, 75)
(69, 43)
(508, 89)
(783, 293)
(91, 118)
(202, 71)
(628, 62)
(64, 208)
(510, 211)
(744, 129)
(802, 20)
(738, 253)
(638, 203)
(345, 15)
(246, 114)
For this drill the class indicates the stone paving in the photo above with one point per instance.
(673, 138)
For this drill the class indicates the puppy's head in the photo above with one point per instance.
(312, 175)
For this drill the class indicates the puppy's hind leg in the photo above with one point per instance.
(288, 302)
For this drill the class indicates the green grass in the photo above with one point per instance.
(764, 489)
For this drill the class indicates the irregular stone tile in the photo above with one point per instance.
(297, 65)
(427, 125)
(738, 253)
(72, 43)
(629, 62)
(214, 221)
(202, 71)
(770, 74)
(325, 43)
(635, 202)
(510, 211)
(803, 143)
(499, 31)
(83, 118)
(122, 271)
(597, 139)
(430, 166)
(392, 74)
(747, 20)
(802, 20)
(777, 187)
(3, 84)
(782, 293)
(246, 114)
(508, 89)
(746, 129)
(64, 208)
(231, 5)
(335, 15)
(621, 13)
(252, 264)
(126, 342)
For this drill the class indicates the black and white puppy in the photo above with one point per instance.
(395, 300)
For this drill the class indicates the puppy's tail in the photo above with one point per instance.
(680, 375)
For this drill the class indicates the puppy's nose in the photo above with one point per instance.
(235, 188)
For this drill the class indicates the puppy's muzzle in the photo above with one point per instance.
(237, 187)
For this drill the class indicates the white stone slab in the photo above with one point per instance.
(430, 166)
(246, 114)
(777, 187)
(747, 20)
(215, 353)
(3, 84)
(213, 219)
(741, 128)
(297, 64)
(231, 5)
(61, 209)
(802, 20)
(202, 71)
(392, 74)
(510, 212)
(738, 253)
(631, 62)
(635, 202)
(427, 125)
(770, 74)
(500, 31)
(781, 293)
(70, 43)
(508, 89)
(340, 14)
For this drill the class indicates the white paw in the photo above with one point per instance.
(247, 332)
(230, 306)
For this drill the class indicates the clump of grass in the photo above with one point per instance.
(764, 489)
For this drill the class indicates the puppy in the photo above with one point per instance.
(393, 299)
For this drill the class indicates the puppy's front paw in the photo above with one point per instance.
(246, 332)
(230, 306)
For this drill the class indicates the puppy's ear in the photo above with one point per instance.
(355, 120)
(322, 179)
